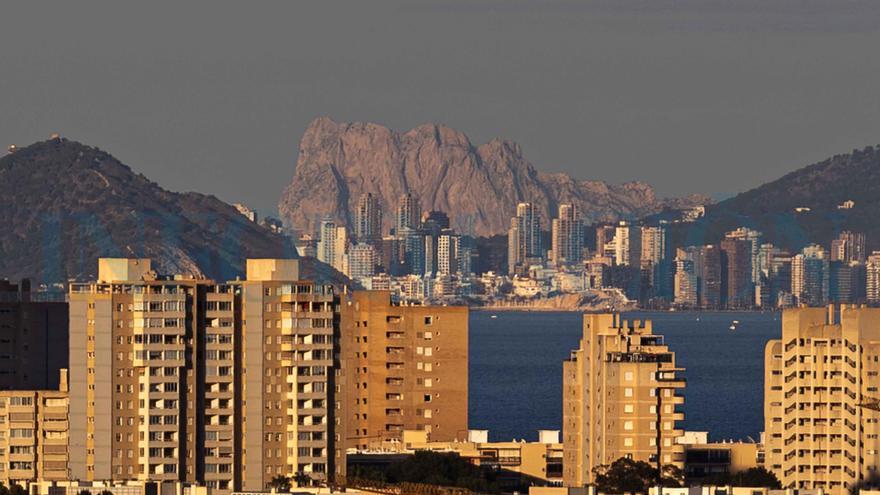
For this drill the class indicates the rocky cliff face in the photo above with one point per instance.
(478, 187)
(64, 204)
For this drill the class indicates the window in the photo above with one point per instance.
(627, 392)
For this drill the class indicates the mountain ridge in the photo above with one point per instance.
(478, 186)
(63, 204)
(819, 190)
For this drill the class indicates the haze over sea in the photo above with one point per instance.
(516, 369)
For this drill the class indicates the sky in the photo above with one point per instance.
(712, 97)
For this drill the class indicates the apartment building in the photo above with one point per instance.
(403, 367)
(821, 406)
(290, 331)
(159, 381)
(153, 377)
(33, 435)
(33, 337)
(621, 398)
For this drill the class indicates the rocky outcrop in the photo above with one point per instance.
(478, 186)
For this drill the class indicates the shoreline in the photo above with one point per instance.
(532, 309)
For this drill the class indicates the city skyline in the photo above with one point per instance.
(442, 247)
(732, 67)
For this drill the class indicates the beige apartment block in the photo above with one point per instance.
(182, 379)
(291, 328)
(621, 398)
(33, 435)
(403, 367)
(821, 399)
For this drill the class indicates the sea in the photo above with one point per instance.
(515, 369)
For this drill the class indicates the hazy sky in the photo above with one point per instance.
(709, 97)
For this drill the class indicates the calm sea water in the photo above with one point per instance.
(516, 369)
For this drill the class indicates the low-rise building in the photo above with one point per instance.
(33, 435)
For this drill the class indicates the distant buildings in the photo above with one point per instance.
(333, 245)
(362, 261)
(627, 244)
(409, 213)
(621, 398)
(567, 235)
(368, 219)
(524, 239)
(246, 211)
(810, 276)
(848, 247)
(736, 264)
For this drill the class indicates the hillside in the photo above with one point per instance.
(63, 204)
(821, 187)
(478, 186)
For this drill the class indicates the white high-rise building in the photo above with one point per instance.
(873, 278)
(524, 237)
(448, 248)
(653, 244)
(332, 245)
(810, 274)
(567, 233)
(628, 244)
(362, 261)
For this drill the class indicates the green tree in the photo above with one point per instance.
(432, 468)
(756, 477)
(280, 483)
(627, 475)
(17, 490)
(302, 479)
(3, 489)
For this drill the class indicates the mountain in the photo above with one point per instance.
(477, 186)
(63, 204)
(822, 187)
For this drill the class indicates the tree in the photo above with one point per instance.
(3, 489)
(106, 492)
(280, 483)
(302, 479)
(84, 492)
(432, 468)
(17, 490)
(627, 475)
(756, 477)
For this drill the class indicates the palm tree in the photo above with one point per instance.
(302, 479)
(280, 483)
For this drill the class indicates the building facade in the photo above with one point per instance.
(184, 379)
(403, 367)
(567, 236)
(524, 238)
(821, 409)
(34, 428)
(621, 398)
(33, 338)
(368, 219)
